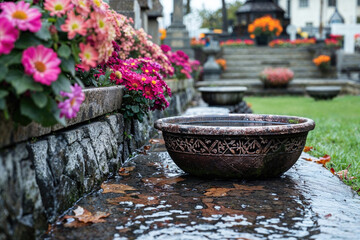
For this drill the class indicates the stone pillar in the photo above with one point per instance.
(153, 24)
(129, 8)
(177, 35)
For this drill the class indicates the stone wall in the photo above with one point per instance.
(41, 178)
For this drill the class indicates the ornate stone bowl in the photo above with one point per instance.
(323, 92)
(215, 96)
(246, 146)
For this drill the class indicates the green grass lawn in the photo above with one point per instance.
(337, 131)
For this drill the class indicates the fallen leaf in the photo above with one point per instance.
(328, 215)
(124, 230)
(116, 188)
(323, 160)
(157, 141)
(135, 199)
(358, 191)
(221, 192)
(85, 216)
(147, 147)
(125, 171)
(162, 181)
(332, 170)
(217, 192)
(308, 149)
(343, 174)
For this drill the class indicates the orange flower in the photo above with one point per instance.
(321, 59)
(252, 36)
(267, 25)
(222, 63)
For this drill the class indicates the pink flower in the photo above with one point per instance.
(82, 7)
(165, 48)
(58, 7)
(21, 15)
(71, 106)
(73, 25)
(42, 63)
(8, 36)
(88, 56)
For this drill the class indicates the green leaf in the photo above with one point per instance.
(68, 65)
(41, 115)
(135, 108)
(56, 112)
(75, 51)
(3, 93)
(22, 82)
(39, 99)
(61, 84)
(78, 80)
(2, 104)
(26, 40)
(64, 51)
(3, 72)
(13, 58)
(44, 32)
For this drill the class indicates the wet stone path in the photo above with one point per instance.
(154, 199)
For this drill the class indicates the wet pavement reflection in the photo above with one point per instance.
(157, 200)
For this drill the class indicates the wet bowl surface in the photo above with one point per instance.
(247, 146)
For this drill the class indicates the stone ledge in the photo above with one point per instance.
(98, 101)
(179, 85)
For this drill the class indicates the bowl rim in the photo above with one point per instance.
(223, 89)
(171, 125)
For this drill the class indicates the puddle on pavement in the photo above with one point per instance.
(165, 203)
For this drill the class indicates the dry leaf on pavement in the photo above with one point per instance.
(83, 215)
(116, 188)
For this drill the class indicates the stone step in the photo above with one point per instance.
(259, 68)
(256, 75)
(283, 63)
(266, 57)
(255, 50)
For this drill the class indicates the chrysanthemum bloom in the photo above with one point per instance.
(71, 106)
(88, 56)
(8, 36)
(73, 25)
(21, 15)
(82, 7)
(58, 7)
(42, 63)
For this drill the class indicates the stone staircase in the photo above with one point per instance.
(247, 63)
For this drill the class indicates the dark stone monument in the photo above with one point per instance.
(153, 24)
(129, 8)
(177, 35)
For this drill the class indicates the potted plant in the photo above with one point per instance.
(264, 28)
(276, 77)
(323, 63)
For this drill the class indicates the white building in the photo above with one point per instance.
(305, 14)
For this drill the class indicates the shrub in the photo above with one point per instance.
(276, 77)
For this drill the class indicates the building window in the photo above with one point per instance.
(309, 24)
(358, 3)
(332, 3)
(304, 3)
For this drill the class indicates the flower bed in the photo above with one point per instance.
(237, 43)
(51, 50)
(295, 43)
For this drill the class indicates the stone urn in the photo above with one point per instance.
(262, 39)
(323, 92)
(222, 96)
(245, 146)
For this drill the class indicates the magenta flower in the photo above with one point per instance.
(165, 48)
(71, 106)
(58, 7)
(21, 15)
(42, 64)
(8, 36)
